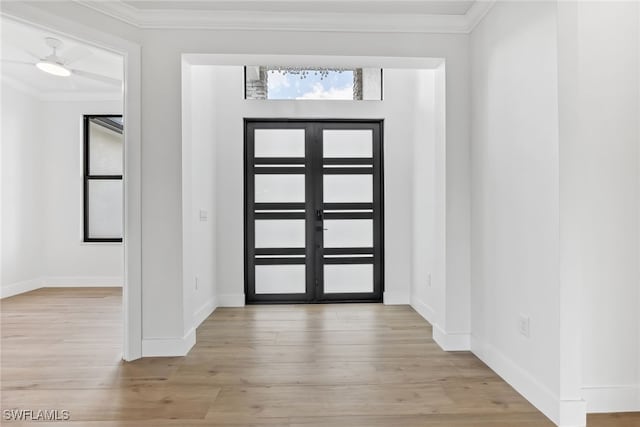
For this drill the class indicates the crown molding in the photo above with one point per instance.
(294, 21)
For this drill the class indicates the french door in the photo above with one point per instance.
(313, 211)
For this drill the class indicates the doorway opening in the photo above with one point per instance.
(313, 211)
(84, 215)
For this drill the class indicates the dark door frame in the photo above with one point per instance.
(313, 294)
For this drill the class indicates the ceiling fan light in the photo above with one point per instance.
(53, 68)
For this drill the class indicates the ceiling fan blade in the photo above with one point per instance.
(98, 77)
(9, 61)
(75, 53)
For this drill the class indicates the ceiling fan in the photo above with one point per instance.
(58, 66)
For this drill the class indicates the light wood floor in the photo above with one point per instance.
(314, 365)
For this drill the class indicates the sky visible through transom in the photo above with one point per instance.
(336, 85)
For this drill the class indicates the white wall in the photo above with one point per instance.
(515, 211)
(42, 196)
(201, 244)
(423, 188)
(22, 192)
(68, 261)
(600, 201)
(216, 97)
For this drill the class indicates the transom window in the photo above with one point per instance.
(319, 83)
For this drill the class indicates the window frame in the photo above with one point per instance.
(87, 177)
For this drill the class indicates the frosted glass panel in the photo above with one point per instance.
(105, 209)
(280, 279)
(355, 233)
(341, 278)
(347, 143)
(105, 151)
(348, 188)
(279, 188)
(280, 233)
(279, 143)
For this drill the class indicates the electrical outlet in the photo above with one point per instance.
(429, 280)
(204, 215)
(197, 282)
(524, 325)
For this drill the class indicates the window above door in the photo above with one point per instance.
(312, 83)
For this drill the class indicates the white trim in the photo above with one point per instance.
(565, 413)
(132, 293)
(477, 12)
(169, 347)
(344, 61)
(395, 298)
(81, 281)
(204, 312)
(291, 21)
(573, 413)
(524, 383)
(620, 398)
(448, 341)
(231, 300)
(477, 346)
(423, 309)
(451, 341)
(17, 288)
(60, 282)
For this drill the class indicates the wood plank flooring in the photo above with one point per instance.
(280, 365)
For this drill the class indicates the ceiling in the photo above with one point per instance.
(21, 42)
(408, 16)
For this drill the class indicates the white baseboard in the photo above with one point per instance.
(477, 347)
(573, 413)
(169, 347)
(204, 311)
(81, 281)
(423, 309)
(458, 341)
(60, 282)
(395, 298)
(451, 341)
(20, 287)
(624, 398)
(563, 413)
(230, 300)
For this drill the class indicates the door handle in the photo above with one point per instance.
(319, 214)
